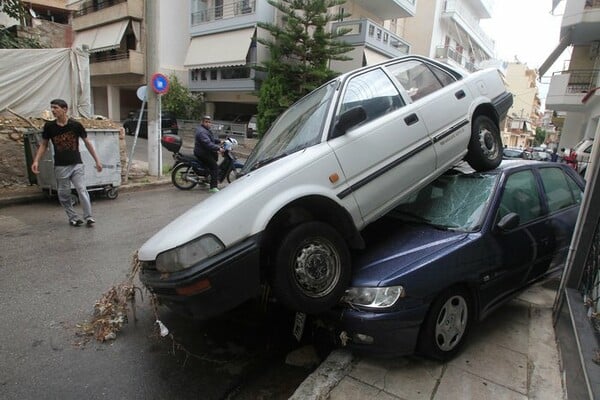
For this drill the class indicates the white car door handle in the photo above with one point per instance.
(411, 119)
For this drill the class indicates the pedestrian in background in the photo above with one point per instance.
(207, 149)
(65, 133)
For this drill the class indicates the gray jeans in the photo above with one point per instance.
(65, 175)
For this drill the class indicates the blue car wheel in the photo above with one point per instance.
(447, 324)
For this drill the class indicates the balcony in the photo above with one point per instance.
(483, 8)
(452, 56)
(225, 11)
(116, 62)
(582, 20)
(389, 9)
(463, 17)
(568, 88)
(98, 12)
(365, 32)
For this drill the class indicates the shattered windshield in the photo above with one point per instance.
(299, 127)
(453, 201)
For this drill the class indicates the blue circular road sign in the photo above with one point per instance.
(160, 83)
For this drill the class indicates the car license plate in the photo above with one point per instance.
(299, 322)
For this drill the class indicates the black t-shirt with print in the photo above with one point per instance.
(65, 140)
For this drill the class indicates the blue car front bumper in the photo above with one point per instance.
(389, 334)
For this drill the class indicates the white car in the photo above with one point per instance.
(335, 161)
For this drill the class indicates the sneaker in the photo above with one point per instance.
(90, 221)
(213, 190)
(76, 222)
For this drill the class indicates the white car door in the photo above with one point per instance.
(387, 154)
(444, 101)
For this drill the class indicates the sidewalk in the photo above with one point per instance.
(510, 355)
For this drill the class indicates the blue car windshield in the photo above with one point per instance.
(453, 201)
(299, 127)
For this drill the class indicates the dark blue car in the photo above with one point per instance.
(453, 252)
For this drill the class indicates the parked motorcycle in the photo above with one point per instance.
(188, 171)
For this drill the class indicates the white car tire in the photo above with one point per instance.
(312, 268)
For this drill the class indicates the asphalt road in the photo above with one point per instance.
(52, 274)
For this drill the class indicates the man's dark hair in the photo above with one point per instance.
(60, 102)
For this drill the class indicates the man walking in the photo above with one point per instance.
(64, 133)
(207, 149)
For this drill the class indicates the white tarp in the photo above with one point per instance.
(30, 78)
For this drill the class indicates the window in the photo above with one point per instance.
(235, 73)
(218, 9)
(559, 192)
(521, 196)
(194, 74)
(374, 92)
(203, 75)
(417, 78)
(213, 74)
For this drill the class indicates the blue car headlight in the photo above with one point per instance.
(191, 253)
(376, 297)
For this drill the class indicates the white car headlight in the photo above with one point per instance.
(185, 256)
(376, 297)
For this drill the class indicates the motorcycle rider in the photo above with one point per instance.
(206, 149)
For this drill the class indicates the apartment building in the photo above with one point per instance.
(574, 89)
(449, 31)
(525, 114)
(47, 21)
(223, 45)
(114, 34)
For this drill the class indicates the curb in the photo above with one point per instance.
(23, 198)
(321, 382)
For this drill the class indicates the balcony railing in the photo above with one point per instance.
(581, 81)
(93, 6)
(109, 55)
(365, 31)
(452, 6)
(447, 52)
(226, 11)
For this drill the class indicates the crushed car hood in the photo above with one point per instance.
(395, 247)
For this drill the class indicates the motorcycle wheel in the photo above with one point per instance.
(233, 174)
(184, 177)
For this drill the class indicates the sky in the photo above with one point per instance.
(525, 29)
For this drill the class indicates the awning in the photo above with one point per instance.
(225, 49)
(562, 45)
(373, 57)
(106, 37)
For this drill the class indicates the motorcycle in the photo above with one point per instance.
(188, 171)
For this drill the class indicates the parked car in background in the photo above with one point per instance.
(536, 154)
(583, 150)
(252, 127)
(168, 123)
(234, 123)
(512, 153)
(454, 251)
(334, 162)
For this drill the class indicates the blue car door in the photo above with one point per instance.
(521, 250)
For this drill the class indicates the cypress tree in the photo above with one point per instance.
(300, 52)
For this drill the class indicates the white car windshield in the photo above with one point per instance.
(299, 127)
(453, 201)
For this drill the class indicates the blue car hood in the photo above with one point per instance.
(396, 247)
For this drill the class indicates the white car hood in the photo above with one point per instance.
(232, 214)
